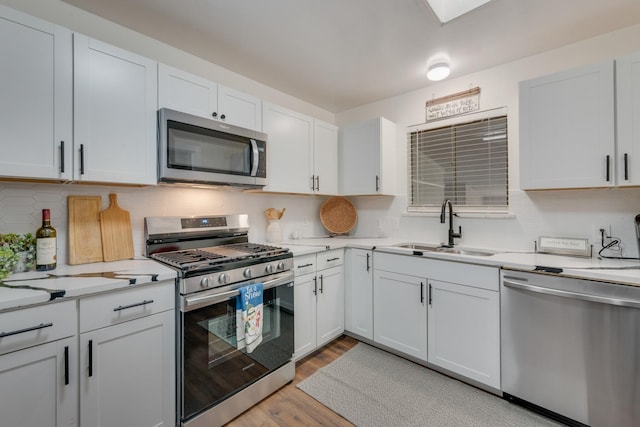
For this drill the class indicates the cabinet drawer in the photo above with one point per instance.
(477, 276)
(120, 306)
(330, 259)
(37, 325)
(411, 265)
(304, 264)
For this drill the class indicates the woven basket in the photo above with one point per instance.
(338, 215)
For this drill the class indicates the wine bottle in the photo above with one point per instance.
(46, 244)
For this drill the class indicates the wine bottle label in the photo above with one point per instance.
(45, 251)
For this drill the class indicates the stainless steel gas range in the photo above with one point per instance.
(218, 378)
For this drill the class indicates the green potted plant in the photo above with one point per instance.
(18, 252)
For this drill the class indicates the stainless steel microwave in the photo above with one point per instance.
(198, 150)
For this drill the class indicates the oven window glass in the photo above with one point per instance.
(213, 367)
(194, 148)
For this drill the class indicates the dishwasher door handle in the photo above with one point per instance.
(572, 295)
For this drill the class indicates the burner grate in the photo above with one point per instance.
(254, 248)
(187, 257)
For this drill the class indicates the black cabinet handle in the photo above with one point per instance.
(66, 365)
(317, 182)
(368, 266)
(377, 183)
(138, 304)
(313, 182)
(333, 259)
(321, 284)
(315, 286)
(81, 159)
(22, 331)
(90, 358)
(61, 156)
(421, 293)
(608, 167)
(626, 166)
(430, 295)
(305, 265)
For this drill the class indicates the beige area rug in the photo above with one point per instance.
(371, 387)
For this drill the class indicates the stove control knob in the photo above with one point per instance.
(204, 282)
(247, 273)
(269, 268)
(281, 266)
(223, 279)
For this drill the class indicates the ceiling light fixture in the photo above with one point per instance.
(438, 71)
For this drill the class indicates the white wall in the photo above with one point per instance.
(556, 213)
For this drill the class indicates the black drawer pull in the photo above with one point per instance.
(138, 304)
(626, 166)
(333, 259)
(61, 156)
(22, 331)
(305, 265)
(81, 159)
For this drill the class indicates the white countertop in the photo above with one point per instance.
(70, 281)
(626, 272)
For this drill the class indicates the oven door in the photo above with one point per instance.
(213, 367)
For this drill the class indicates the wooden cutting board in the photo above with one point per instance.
(84, 233)
(117, 239)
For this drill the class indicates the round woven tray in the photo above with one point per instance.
(338, 215)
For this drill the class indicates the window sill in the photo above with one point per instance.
(478, 215)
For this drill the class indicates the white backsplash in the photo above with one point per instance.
(570, 213)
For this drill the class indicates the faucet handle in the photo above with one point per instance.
(458, 234)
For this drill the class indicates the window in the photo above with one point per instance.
(466, 163)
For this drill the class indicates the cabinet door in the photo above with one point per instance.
(464, 331)
(36, 100)
(400, 312)
(304, 297)
(330, 305)
(239, 109)
(367, 158)
(181, 91)
(567, 129)
(127, 373)
(38, 385)
(289, 153)
(358, 292)
(325, 158)
(115, 114)
(628, 119)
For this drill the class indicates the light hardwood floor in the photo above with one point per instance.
(292, 407)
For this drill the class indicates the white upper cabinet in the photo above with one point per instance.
(367, 158)
(182, 91)
(36, 101)
(325, 158)
(628, 119)
(567, 129)
(115, 114)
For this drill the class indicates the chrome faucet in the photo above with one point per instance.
(452, 234)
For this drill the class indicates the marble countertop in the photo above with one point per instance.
(626, 272)
(70, 281)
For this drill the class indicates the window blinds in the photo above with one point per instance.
(465, 163)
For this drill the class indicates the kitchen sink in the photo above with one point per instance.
(459, 251)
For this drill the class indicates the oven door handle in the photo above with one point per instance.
(192, 302)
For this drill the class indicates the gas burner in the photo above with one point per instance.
(189, 258)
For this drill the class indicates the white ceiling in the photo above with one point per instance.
(338, 54)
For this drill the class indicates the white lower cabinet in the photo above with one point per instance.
(38, 366)
(127, 358)
(464, 331)
(400, 312)
(319, 300)
(445, 313)
(358, 292)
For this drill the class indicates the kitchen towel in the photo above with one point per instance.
(249, 314)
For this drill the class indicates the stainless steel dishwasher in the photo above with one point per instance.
(572, 347)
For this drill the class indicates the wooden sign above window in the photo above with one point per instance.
(453, 105)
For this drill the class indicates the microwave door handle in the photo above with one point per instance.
(255, 158)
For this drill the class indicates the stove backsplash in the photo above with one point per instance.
(570, 213)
